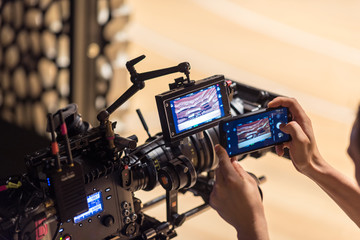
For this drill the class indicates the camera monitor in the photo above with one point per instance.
(188, 110)
(253, 131)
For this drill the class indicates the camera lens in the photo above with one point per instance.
(143, 177)
(174, 167)
(144, 163)
(201, 151)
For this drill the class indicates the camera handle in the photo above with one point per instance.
(138, 83)
(173, 217)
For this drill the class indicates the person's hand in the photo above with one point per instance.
(303, 149)
(354, 146)
(236, 198)
(307, 159)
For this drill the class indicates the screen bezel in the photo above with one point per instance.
(224, 137)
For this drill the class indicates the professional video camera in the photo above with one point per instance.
(83, 186)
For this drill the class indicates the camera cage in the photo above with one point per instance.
(116, 167)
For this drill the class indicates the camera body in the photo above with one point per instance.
(113, 168)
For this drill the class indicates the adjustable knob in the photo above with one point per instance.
(133, 217)
(126, 212)
(108, 221)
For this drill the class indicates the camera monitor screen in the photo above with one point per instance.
(95, 204)
(254, 131)
(197, 108)
(192, 109)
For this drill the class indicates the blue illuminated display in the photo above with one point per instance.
(95, 204)
(261, 130)
(197, 108)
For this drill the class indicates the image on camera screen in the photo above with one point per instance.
(197, 108)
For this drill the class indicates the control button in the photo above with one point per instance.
(127, 220)
(125, 176)
(61, 230)
(108, 197)
(67, 237)
(108, 221)
(98, 216)
(126, 212)
(69, 220)
(80, 224)
(124, 205)
(90, 220)
(107, 189)
(133, 217)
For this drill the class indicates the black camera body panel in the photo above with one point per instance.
(114, 217)
(169, 119)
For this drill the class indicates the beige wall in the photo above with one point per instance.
(305, 49)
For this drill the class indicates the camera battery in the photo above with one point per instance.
(69, 189)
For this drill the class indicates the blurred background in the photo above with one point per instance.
(53, 52)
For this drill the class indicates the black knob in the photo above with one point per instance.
(137, 205)
(131, 230)
(179, 220)
(108, 221)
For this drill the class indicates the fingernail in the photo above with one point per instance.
(217, 148)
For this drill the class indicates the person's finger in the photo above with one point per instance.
(219, 177)
(295, 108)
(224, 161)
(233, 159)
(298, 114)
(279, 150)
(295, 130)
(238, 168)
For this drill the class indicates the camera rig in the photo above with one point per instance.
(83, 185)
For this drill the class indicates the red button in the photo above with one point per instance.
(164, 180)
(67, 237)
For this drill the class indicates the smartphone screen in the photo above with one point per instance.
(254, 131)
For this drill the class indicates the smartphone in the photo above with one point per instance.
(253, 131)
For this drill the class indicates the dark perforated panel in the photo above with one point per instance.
(35, 60)
(37, 55)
